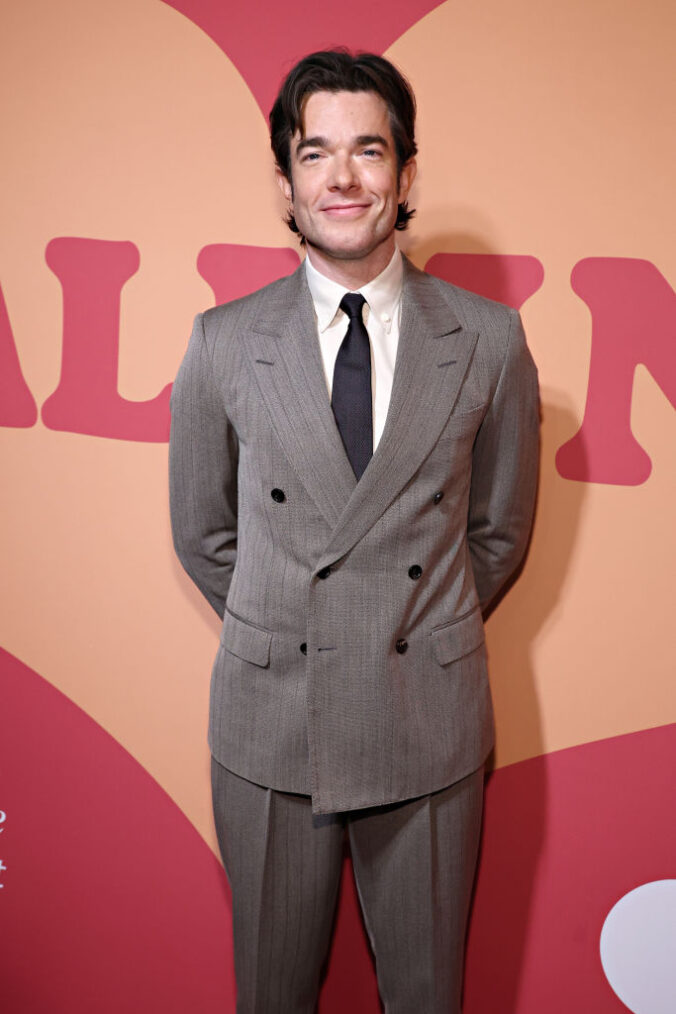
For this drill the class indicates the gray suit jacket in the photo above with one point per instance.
(341, 672)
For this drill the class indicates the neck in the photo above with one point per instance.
(353, 274)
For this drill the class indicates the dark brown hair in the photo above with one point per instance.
(337, 70)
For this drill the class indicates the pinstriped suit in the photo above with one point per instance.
(389, 698)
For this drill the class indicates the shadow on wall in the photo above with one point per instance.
(507, 881)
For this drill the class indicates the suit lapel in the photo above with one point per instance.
(433, 357)
(286, 360)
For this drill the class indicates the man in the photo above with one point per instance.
(353, 468)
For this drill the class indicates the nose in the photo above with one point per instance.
(343, 176)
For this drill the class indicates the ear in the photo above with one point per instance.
(406, 177)
(284, 184)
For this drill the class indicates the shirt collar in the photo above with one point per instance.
(382, 294)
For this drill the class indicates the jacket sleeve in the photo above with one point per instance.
(203, 455)
(505, 463)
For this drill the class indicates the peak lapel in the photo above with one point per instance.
(286, 361)
(433, 357)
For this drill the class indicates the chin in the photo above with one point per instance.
(346, 250)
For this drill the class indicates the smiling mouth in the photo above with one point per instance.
(345, 210)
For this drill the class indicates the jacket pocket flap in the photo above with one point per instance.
(247, 642)
(459, 637)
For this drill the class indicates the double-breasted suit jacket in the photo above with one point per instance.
(352, 662)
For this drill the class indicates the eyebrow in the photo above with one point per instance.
(323, 142)
(312, 142)
(365, 139)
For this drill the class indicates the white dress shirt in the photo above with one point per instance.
(382, 312)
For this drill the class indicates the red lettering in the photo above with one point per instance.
(633, 315)
(17, 404)
(233, 271)
(508, 278)
(92, 273)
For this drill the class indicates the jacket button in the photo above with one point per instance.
(401, 645)
(278, 495)
(415, 572)
(303, 648)
(438, 497)
(323, 573)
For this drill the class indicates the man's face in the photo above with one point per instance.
(344, 191)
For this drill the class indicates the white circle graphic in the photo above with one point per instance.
(638, 948)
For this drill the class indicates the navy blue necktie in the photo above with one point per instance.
(351, 391)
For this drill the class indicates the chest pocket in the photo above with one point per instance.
(462, 426)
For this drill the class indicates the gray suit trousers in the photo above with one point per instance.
(414, 864)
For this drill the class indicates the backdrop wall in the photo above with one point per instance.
(137, 188)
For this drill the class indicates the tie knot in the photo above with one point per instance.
(351, 304)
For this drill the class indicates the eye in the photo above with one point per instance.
(372, 152)
(311, 156)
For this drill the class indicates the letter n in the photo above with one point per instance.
(633, 312)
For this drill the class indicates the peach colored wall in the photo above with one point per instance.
(543, 132)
